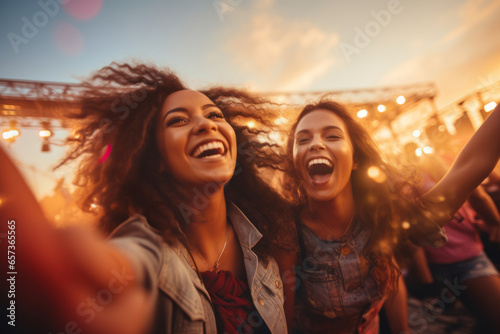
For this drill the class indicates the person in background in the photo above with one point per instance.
(462, 258)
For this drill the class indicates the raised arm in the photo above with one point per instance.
(474, 163)
(65, 277)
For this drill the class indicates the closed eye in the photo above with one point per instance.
(302, 140)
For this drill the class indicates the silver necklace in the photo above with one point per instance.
(319, 220)
(216, 265)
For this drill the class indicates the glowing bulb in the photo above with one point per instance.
(490, 106)
(418, 152)
(362, 113)
(428, 150)
(401, 99)
(7, 134)
(416, 133)
(44, 133)
(381, 108)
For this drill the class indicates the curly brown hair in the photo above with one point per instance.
(119, 108)
(382, 206)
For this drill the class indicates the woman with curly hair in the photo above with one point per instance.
(351, 207)
(173, 175)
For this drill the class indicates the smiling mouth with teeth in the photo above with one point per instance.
(210, 150)
(319, 168)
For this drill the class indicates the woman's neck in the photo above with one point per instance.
(337, 213)
(206, 223)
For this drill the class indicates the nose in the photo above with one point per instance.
(205, 125)
(316, 145)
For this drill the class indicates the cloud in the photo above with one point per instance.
(458, 67)
(282, 55)
(471, 13)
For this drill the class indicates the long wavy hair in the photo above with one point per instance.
(120, 169)
(381, 204)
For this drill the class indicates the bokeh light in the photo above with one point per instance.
(362, 113)
(68, 39)
(83, 10)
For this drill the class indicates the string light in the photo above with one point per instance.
(45, 133)
(418, 152)
(381, 108)
(428, 150)
(11, 133)
(401, 99)
(490, 106)
(362, 113)
(416, 133)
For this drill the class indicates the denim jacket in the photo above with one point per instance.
(183, 303)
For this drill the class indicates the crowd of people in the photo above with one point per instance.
(191, 237)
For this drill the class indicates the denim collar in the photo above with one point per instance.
(248, 235)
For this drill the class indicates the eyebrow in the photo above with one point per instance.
(182, 109)
(326, 128)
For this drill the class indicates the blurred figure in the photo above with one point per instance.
(462, 258)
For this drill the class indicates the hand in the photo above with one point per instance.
(494, 232)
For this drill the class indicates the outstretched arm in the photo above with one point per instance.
(61, 274)
(474, 163)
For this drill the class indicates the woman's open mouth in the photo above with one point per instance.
(209, 150)
(320, 170)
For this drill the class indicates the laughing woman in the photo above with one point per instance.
(183, 257)
(348, 223)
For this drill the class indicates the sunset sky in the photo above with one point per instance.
(265, 45)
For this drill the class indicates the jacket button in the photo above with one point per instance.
(278, 284)
(345, 250)
(261, 301)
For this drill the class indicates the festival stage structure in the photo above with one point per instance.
(394, 115)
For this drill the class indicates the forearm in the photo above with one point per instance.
(474, 163)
